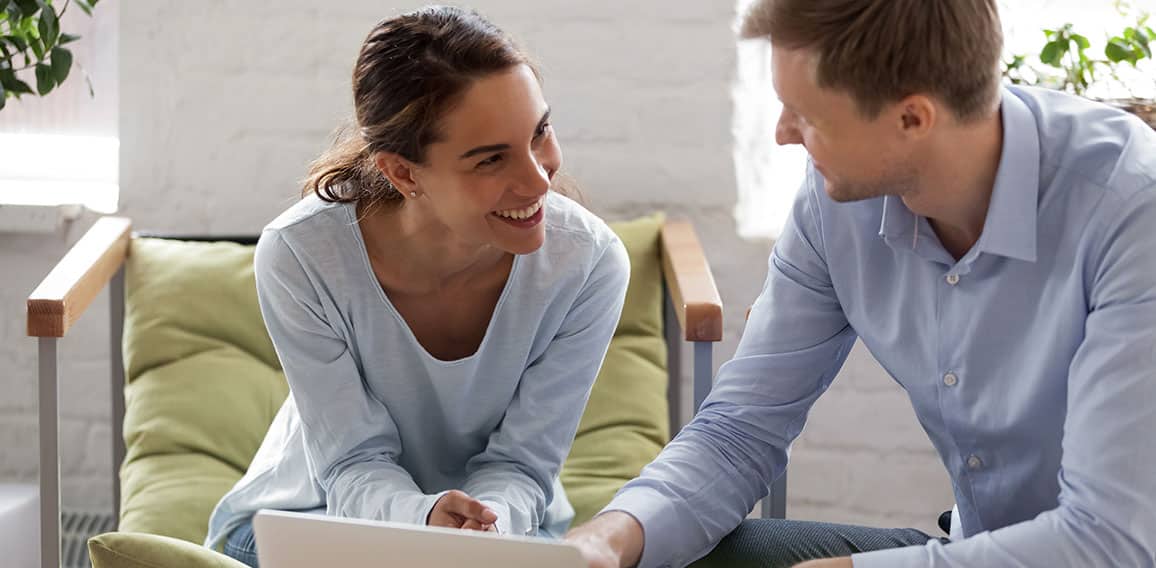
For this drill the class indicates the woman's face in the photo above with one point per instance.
(486, 179)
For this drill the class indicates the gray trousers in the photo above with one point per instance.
(778, 543)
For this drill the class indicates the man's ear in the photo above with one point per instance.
(398, 170)
(917, 115)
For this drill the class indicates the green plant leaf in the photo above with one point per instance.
(44, 80)
(28, 7)
(1117, 50)
(37, 48)
(3, 95)
(86, 6)
(49, 27)
(1082, 41)
(61, 63)
(17, 41)
(1051, 54)
(13, 84)
(67, 39)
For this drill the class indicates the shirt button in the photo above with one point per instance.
(952, 279)
(950, 379)
(973, 462)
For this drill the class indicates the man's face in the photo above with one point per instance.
(859, 158)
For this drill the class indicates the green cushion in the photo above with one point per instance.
(139, 550)
(625, 424)
(203, 383)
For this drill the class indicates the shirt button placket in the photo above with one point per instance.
(950, 379)
(952, 279)
(973, 462)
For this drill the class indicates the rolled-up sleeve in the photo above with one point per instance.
(796, 339)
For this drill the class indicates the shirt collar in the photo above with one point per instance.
(1010, 226)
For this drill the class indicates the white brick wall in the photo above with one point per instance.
(223, 103)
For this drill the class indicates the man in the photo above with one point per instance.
(994, 248)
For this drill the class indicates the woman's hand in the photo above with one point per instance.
(457, 510)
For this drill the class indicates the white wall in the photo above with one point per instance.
(223, 103)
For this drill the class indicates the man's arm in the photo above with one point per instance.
(710, 476)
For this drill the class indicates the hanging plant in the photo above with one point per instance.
(32, 43)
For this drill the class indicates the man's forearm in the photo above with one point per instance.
(611, 540)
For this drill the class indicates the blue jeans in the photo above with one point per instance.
(777, 543)
(241, 546)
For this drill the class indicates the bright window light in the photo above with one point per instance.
(54, 169)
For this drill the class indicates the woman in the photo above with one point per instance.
(440, 314)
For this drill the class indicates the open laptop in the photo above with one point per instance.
(303, 540)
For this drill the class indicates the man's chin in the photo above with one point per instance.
(842, 193)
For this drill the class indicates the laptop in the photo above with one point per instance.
(305, 540)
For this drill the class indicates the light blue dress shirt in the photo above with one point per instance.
(377, 428)
(1030, 361)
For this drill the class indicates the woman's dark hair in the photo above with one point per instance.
(410, 71)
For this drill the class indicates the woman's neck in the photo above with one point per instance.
(416, 254)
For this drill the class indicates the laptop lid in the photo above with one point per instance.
(303, 540)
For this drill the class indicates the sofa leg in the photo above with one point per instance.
(774, 505)
(49, 455)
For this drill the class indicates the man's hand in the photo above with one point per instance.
(610, 540)
(844, 562)
(457, 510)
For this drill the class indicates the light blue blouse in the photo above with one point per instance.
(377, 428)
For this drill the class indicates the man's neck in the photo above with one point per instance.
(955, 186)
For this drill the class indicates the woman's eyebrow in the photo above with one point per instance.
(498, 147)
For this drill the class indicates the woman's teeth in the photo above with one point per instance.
(520, 213)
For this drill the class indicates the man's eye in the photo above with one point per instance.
(542, 130)
(490, 161)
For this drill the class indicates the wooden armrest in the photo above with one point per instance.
(67, 291)
(691, 285)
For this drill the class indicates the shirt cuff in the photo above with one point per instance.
(425, 507)
(913, 556)
(502, 525)
(655, 513)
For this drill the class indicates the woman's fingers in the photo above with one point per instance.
(468, 507)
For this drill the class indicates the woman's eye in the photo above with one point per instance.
(490, 161)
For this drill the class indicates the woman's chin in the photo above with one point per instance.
(525, 245)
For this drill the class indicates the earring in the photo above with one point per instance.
(413, 194)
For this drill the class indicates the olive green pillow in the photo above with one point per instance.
(139, 550)
(625, 424)
(203, 385)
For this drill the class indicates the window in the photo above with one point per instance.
(769, 175)
(63, 148)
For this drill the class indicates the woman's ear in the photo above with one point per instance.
(398, 170)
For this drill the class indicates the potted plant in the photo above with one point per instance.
(1068, 66)
(31, 42)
